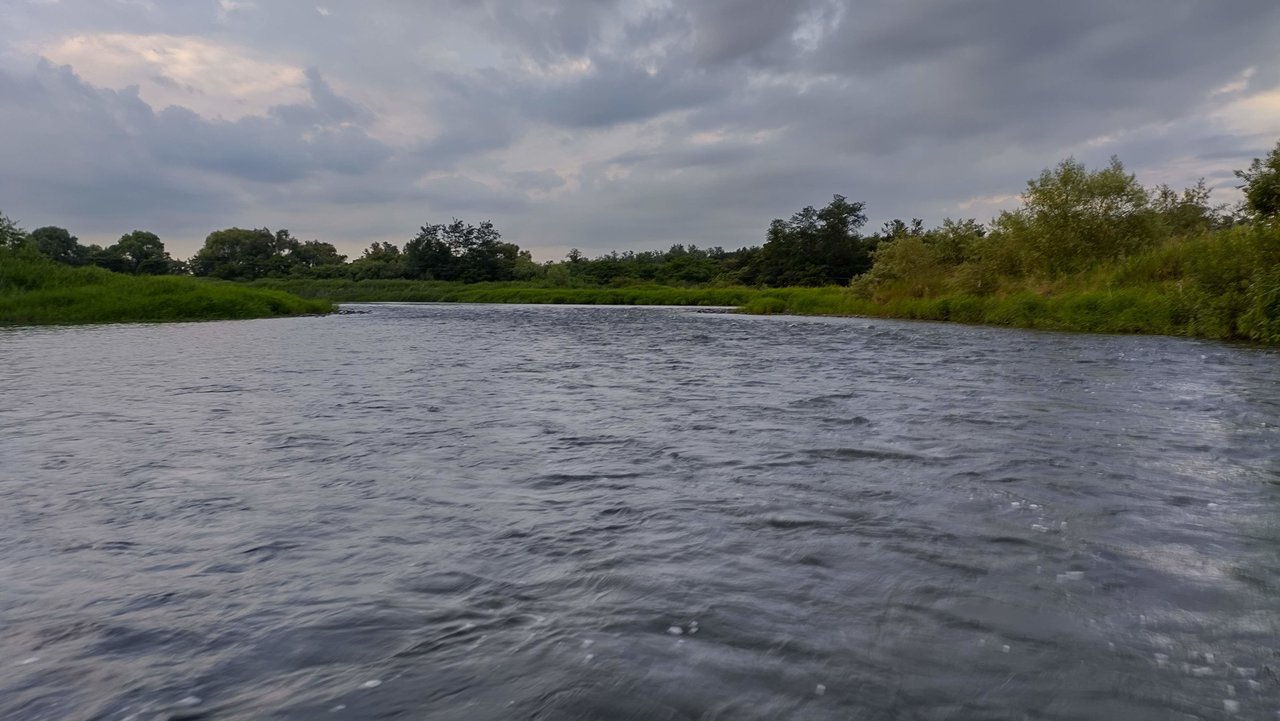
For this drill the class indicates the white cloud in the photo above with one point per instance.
(1256, 114)
(210, 78)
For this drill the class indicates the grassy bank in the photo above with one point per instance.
(35, 291)
(1223, 285)
(1129, 310)
(1217, 286)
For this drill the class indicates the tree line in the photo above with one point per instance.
(1071, 218)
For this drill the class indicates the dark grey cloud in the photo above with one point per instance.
(729, 30)
(614, 124)
(613, 93)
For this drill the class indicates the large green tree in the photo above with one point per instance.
(463, 252)
(1072, 218)
(58, 244)
(141, 253)
(1262, 185)
(814, 247)
(240, 254)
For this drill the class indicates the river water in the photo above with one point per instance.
(507, 512)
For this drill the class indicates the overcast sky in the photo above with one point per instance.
(605, 124)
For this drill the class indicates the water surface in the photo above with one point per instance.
(506, 512)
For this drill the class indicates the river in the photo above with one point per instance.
(513, 512)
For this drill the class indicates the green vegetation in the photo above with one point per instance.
(815, 247)
(37, 291)
(1088, 250)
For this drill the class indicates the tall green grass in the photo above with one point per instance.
(35, 291)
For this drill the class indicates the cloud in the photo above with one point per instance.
(209, 78)
(607, 124)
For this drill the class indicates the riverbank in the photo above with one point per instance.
(1239, 306)
(420, 291)
(34, 291)
(1130, 310)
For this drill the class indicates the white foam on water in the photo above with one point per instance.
(820, 689)
(371, 683)
(675, 631)
(1230, 705)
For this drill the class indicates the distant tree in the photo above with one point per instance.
(380, 261)
(108, 258)
(139, 253)
(314, 258)
(11, 236)
(814, 247)
(429, 257)
(1262, 185)
(239, 254)
(59, 245)
(897, 228)
(462, 252)
(1188, 212)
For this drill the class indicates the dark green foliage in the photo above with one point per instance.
(463, 252)
(239, 254)
(314, 258)
(680, 265)
(136, 253)
(380, 261)
(1262, 185)
(814, 247)
(36, 291)
(58, 245)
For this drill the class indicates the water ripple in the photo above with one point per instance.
(469, 512)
